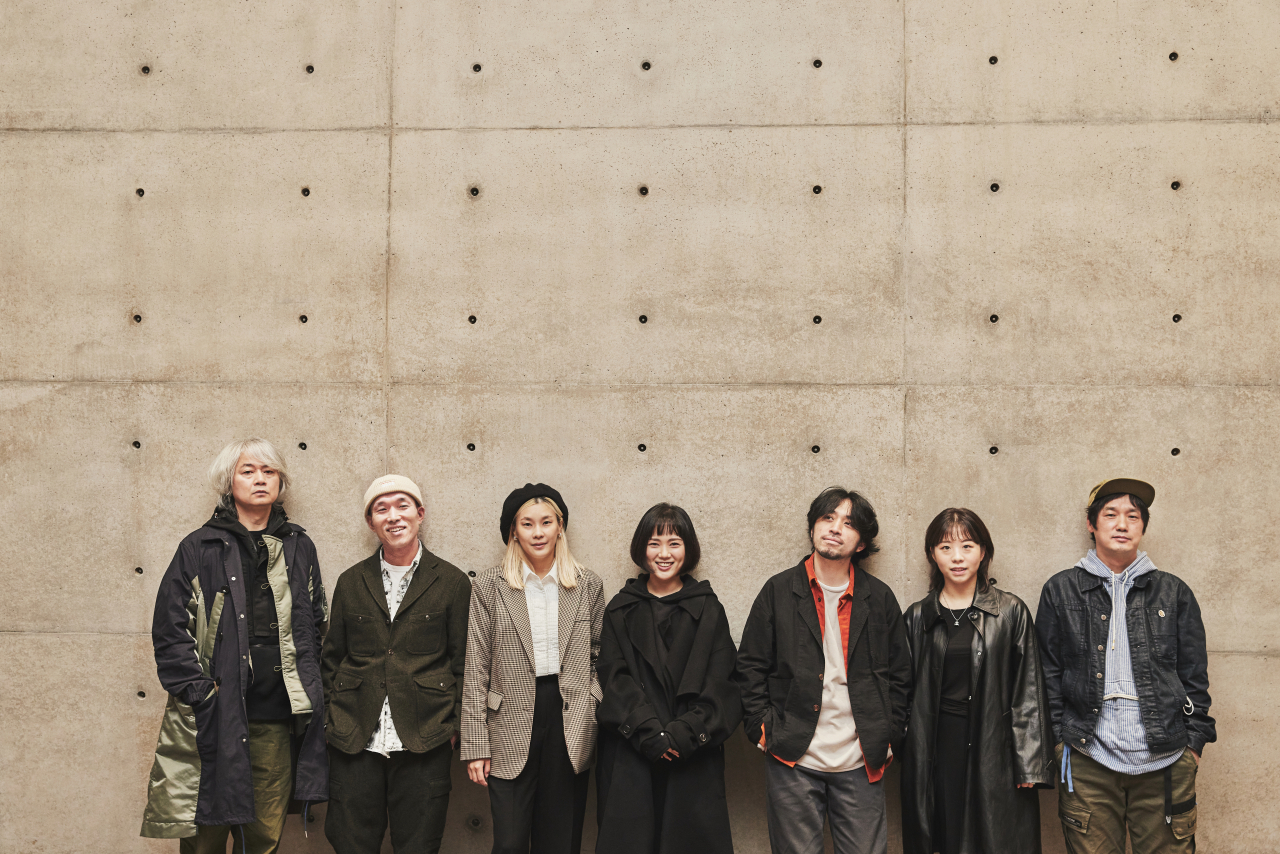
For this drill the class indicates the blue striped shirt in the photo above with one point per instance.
(1120, 739)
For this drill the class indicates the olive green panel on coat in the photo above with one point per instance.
(175, 771)
(278, 577)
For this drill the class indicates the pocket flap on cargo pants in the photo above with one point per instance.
(1074, 816)
(1184, 824)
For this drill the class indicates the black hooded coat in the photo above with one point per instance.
(665, 669)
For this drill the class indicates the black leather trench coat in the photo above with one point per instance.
(1010, 739)
(641, 716)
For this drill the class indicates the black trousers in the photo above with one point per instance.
(950, 781)
(542, 809)
(412, 789)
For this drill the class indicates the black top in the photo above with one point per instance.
(266, 698)
(957, 666)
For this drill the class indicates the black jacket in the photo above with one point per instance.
(1166, 643)
(201, 775)
(780, 665)
(682, 697)
(1010, 741)
(416, 660)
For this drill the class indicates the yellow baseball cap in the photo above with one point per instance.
(1124, 485)
(389, 483)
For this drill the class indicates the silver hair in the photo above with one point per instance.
(223, 469)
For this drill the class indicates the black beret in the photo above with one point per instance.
(517, 499)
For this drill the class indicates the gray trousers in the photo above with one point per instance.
(799, 800)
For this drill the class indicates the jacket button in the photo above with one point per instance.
(1099, 675)
(242, 616)
(819, 676)
(1082, 741)
(233, 578)
(1162, 613)
(1099, 647)
(1104, 616)
(391, 652)
(702, 737)
(566, 706)
(815, 708)
(472, 573)
(427, 617)
(243, 657)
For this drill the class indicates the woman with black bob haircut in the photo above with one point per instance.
(666, 658)
(979, 740)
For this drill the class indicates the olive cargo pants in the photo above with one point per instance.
(271, 765)
(1095, 815)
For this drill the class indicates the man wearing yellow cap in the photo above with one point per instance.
(392, 668)
(1126, 671)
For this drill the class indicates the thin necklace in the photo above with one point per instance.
(953, 613)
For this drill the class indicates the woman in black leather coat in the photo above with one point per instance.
(978, 740)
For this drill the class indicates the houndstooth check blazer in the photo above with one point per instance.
(498, 688)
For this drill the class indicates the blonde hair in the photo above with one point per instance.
(567, 568)
(223, 469)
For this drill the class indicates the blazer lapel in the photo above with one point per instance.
(423, 577)
(567, 612)
(804, 602)
(859, 611)
(518, 610)
(371, 572)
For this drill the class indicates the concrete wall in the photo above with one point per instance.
(157, 254)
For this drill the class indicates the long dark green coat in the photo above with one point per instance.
(1010, 737)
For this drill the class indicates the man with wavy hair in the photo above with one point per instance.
(237, 626)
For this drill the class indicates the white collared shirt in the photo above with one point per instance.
(384, 740)
(542, 595)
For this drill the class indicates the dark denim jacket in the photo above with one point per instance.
(1166, 641)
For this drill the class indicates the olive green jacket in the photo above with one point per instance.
(416, 660)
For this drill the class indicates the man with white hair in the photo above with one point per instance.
(237, 628)
(393, 666)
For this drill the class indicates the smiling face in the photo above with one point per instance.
(664, 556)
(958, 559)
(1119, 529)
(536, 530)
(254, 484)
(396, 519)
(834, 536)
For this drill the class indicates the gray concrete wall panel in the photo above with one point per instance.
(1079, 60)
(1086, 254)
(582, 64)
(127, 508)
(1055, 444)
(719, 452)
(95, 290)
(707, 256)
(221, 64)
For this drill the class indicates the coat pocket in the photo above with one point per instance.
(342, 705)
(426, 633)
(436, 696)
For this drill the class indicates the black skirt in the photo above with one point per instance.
(950, 778)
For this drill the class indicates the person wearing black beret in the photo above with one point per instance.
(530, 689)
